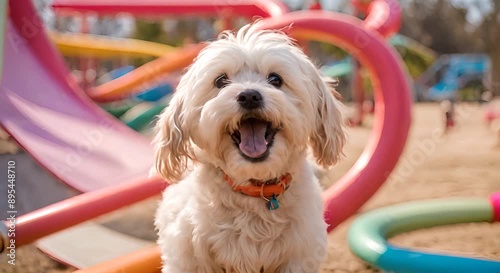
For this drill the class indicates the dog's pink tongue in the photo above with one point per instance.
(253, 138)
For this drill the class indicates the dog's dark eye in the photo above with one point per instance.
(221, 81)
(275, 80)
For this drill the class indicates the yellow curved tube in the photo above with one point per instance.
(72, 44)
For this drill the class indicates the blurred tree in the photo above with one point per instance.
(440, 26)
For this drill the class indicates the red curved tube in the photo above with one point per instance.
(75, 210)
(246, 8)
(392, 97)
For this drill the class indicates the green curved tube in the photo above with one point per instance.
(369, 233)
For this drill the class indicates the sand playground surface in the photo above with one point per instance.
(463, 163)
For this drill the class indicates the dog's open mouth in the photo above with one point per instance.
(253, 138)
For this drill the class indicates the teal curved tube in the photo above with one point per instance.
(406, 261)
(369, 233)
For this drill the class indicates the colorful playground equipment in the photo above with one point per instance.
(83, 146)
(450, 73)
(138, 112)
(139, 109)
(87, 149)
(369, 233)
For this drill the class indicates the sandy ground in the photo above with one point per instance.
(465, 162)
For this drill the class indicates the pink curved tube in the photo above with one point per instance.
(83, 207)
(495, 203)
(246, 8)
(392, 96)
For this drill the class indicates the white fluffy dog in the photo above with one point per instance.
(235, 137)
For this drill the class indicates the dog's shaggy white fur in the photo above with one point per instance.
(210, 128)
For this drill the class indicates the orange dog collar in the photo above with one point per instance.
(264, 189)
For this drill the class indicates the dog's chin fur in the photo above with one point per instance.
(205, 226)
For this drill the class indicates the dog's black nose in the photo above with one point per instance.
(250, 99)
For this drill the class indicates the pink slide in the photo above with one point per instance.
(43, 109)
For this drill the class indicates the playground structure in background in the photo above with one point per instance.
(450, 73)
(67, 133)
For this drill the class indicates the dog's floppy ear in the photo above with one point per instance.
(171, 143)
(328, 138)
